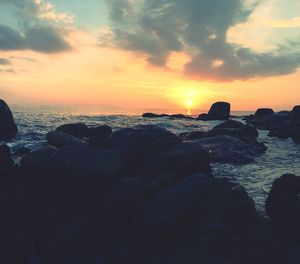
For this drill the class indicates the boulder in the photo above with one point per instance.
(280, 133)
(99, 135)
(229, 149)
(283, 205)
(233, 124)
(60, 139)
(78, 130)
(263, 111)
(203, 117)
(180, 159)
(193, 205)
(152, 115)
(83, 162)
(5, 157)
(33, 161)
(296, 110)
(8, 128)
(137, 142)
(219, 111)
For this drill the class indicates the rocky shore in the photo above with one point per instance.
(95, 195)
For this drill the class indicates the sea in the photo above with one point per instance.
(282, 156)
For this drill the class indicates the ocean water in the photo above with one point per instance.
(282, 156)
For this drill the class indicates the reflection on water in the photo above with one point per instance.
(282, 156)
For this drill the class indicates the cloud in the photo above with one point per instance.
(37, 31)
(199, 28)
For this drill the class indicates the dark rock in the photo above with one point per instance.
(84, 162)
(233, 124)
(296, 134)
(61, 139)
(78, 130)
(181, 159)
(5, 157)
(21, 151)
(263, 111)
(203, 117)
(33, 161)
(219, 111)
(283, 205)
(8, 128)
(283, 133)
(152, 115)
(99, 135)
(229, 149)
(194, 204)
(136, 143)
(180, 116)
(296, 110)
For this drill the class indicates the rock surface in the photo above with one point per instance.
(60, 139)
(218, 111)
(8, 128)
(78, 130)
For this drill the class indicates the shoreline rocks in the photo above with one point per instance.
(218, 111)
(8, 128)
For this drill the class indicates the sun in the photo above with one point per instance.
(189, 102)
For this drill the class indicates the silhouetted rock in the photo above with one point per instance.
(99, 135)
(229, 149)
(280, 133)
(136, 143)
(8, 128)
(263, 111)
(21, 151)
(78, 130)
(283, 205)
(33, 161)
(192, 207)
(233, 124)
(181, 159)
(296, 110)
(219, 111)
(181, 116)
(5, 157)
(84, 162)
(61, 139)
(152, 115)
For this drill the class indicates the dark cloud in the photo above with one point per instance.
(33, 34)
(159, 27)
(4, 61)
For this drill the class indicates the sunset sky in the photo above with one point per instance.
(137, 54)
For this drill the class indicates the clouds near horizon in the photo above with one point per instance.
(198, 28)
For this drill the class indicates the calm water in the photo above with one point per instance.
(282, 156)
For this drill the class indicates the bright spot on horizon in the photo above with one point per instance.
(189, 104)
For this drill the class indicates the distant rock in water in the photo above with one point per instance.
(175, 116)
(263, 111)
(8, 128)
(218, 111)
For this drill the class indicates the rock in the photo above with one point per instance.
(8, 128)
(85, 163)
(263, 111)
(180, 116)
(229, 149)
(78, 130)
(203, 117)
(99, 135)
(219, 111)
(5, 157)
(21, 151)
(296, 134)
(152, 115)
(194, 204)
(280, 133)
(181, 159)
(136, 143)
(283, 205)
(61, 139)
(34, 160)
(233, 124)
(296, 110)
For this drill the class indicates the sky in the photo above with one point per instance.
(151, 54)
